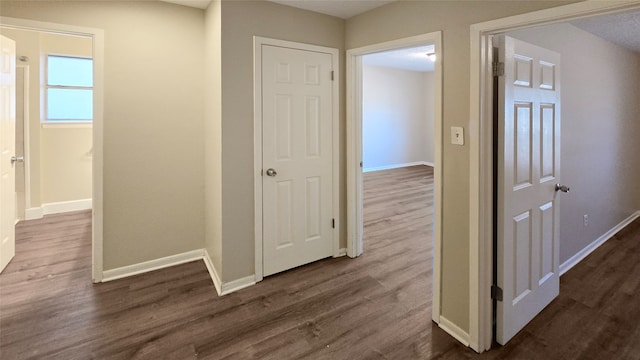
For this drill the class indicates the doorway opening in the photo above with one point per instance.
(59, 152)
(481, 149)
(357, 140)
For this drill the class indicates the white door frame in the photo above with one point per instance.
(26, 152)
(354, 149)
(257, 141)
(480, 143)
(98, 105)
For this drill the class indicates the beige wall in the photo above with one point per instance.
(59, 157)
(213, 134)
(153, 122)
(453, 18)
(66, 164)
(397, 121)
(241, 20)
(600, 132)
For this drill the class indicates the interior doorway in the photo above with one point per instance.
(37, 43)
(355, 164)
(481, 139)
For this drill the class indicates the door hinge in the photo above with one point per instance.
(496, 292)
(333, 223)
(497, 68)
(332, 74)
(360, 163)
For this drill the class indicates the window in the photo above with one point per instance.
(69, 95)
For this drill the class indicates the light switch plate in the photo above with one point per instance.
(457, 135)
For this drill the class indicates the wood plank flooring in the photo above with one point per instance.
(374, 307)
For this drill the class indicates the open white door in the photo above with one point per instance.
(528, 170)
(297, 153)
(7, 150)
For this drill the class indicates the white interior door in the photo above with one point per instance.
(7, 150)
(296, 157)
(528, 170)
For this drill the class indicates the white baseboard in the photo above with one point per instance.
(235, 285)
(341, 252)
(33, 213)
(575, 259)
(396, 166)
(57, 208)
(222, 288)
(217, 282)
(67, 206)
(151, 265)
(453, 330)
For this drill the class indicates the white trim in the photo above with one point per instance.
(223, 288)
(396, 166)
(341, 252)
(575, 259)
(217, 281)
(480, 236)
(26, 152)
(58, 208)
(33, 213)
(98, 110)
(453, 330)
(354, 150)
(151, 265)
(66, 125)
(66, 206)
(238, 284)
(258, 42)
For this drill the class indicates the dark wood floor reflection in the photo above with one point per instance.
(374, 307)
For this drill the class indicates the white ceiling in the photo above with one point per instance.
(340, 8)
(413, 59)
(622, 29)
(200, 4)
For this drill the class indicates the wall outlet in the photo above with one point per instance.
(585, 219)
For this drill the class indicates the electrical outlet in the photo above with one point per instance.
(585, 219)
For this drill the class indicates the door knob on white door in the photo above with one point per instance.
(15, 159)
(271, 172)
(562, 188)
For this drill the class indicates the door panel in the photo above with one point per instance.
(528, 169)
(297, 145)
(7, 150)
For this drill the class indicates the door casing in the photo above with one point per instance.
(258, 42)
(97, 35)
(25, 140)
(480, 147)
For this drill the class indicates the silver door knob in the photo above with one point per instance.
(271, 172)
(562, 188)
(15, 159)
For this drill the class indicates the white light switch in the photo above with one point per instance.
(457, 135)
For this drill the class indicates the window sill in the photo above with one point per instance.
(67, 125)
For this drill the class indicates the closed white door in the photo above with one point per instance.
(296, 157)
(7, 150)
(528, 170)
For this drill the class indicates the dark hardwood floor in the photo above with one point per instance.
(374, 307)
